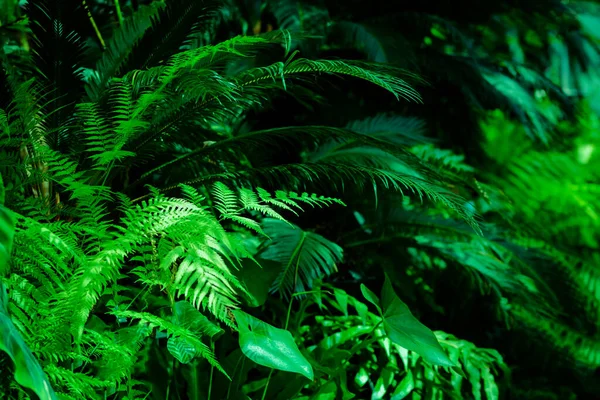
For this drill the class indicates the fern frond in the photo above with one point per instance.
(581, 347)
(174, 331)
(339, 173)
(304, 256)
(168, 32)
(118, 50)
(57, 42)
(381, 75)
(394, 128)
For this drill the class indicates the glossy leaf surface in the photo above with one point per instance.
(269, 346)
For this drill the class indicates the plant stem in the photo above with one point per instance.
(93, 22)
(287, 321)
(119, 14)
(264, 395)
(212, 367)
(233, 375)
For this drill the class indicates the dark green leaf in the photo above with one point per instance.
(370, 296)
(405, 330)
(258, 279)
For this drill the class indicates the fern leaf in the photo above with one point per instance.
(304, 256)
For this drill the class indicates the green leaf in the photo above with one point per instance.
(404, 387)
(405, 330)
(28, 372)
(304, 256)
(269, 346)
(257, 279)
(489, 384)
(188, 316)
(326, 392)
(370, 296)
(181, 349)
(383, 384)
(342, 300)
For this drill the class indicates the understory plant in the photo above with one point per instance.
(276, 199)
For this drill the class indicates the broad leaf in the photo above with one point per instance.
(28, 372)
(257, 279)
(269, 346)
(405, 330)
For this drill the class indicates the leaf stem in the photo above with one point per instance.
(119, 14)
(212, 367)
(93, 22)
(264, 395)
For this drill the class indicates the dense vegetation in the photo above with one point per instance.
(288, 199)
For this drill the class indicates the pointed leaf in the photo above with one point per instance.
(269, 346)
(370, 296)
(405, 330)
(489, 384)
(404, 387)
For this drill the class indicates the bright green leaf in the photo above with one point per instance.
(269, 346)
(383, 384)
(181, 349)
(404, 387)
(489, 384)
(28, 372)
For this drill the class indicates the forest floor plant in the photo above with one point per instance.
(159, 237)
(117, 289)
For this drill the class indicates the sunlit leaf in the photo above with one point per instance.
(404, 387)
(269, 346)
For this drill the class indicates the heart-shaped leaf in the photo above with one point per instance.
(405, 330)
(269, 346)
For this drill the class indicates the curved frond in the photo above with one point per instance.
(303, 256)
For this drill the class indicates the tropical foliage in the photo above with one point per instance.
(291, 199)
